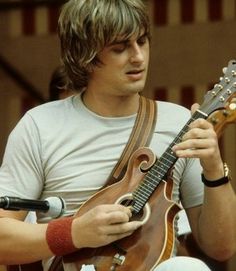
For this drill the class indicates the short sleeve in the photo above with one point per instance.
(21, 173)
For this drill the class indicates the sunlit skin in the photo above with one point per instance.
(201, 142)
(119, 78)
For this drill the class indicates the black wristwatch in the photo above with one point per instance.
(220, 181)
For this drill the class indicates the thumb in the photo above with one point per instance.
(194, 107)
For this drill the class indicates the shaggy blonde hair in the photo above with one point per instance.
(85, 27)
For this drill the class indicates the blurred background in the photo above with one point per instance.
(192, 40)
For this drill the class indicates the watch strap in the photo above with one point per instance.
(215, 183)
(221, 181)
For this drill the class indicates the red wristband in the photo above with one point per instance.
(58, 236)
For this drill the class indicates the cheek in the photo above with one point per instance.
(147, 55)
(115, 68)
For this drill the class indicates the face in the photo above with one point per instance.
(124, 67)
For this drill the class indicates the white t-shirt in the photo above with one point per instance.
(63, 149)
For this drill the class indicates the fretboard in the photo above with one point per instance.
(160, 169)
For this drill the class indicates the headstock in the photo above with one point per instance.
(221, 118)
(221, 94)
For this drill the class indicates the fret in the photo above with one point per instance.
(138, 204)
(143, 190)
(141, 201)
(150, 182)
(147, 185)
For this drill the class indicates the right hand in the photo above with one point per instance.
(103, 225)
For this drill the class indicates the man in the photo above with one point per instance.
(68, 148)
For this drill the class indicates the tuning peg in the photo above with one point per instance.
(232, 106)
(224, 70)
(227, 80)
(219, 86)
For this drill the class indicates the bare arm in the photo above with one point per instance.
(23, 242)
(214, 223)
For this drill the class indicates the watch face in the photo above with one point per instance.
(226, 170)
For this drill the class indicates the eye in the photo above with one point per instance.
(119, 48)
(142, 40)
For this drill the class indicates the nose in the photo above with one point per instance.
(137, 54)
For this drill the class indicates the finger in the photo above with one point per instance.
(196, 148)
(195, 133)
(197, 140)
(116, 207)
(194, 107)
(123, 228)
(191, 144)
(195, 153)
(201, 123)
(117, 217)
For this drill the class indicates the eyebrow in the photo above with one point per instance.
(116, 42)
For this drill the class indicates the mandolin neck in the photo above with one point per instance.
(160, 169)
(215, 99)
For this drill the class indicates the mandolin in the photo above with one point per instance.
(146, 188)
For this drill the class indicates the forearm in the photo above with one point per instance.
(217, 222)
(22, 242)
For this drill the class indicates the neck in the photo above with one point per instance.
(110, 105)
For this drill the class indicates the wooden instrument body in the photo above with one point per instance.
(147, 246)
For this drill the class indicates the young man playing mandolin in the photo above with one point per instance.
(69, 148)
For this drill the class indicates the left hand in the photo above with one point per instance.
(201, 142)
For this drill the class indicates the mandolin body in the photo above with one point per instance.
(152, 243)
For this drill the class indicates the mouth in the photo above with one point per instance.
(135, 71)
(135, 74)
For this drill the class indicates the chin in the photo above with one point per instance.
(133, 88)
